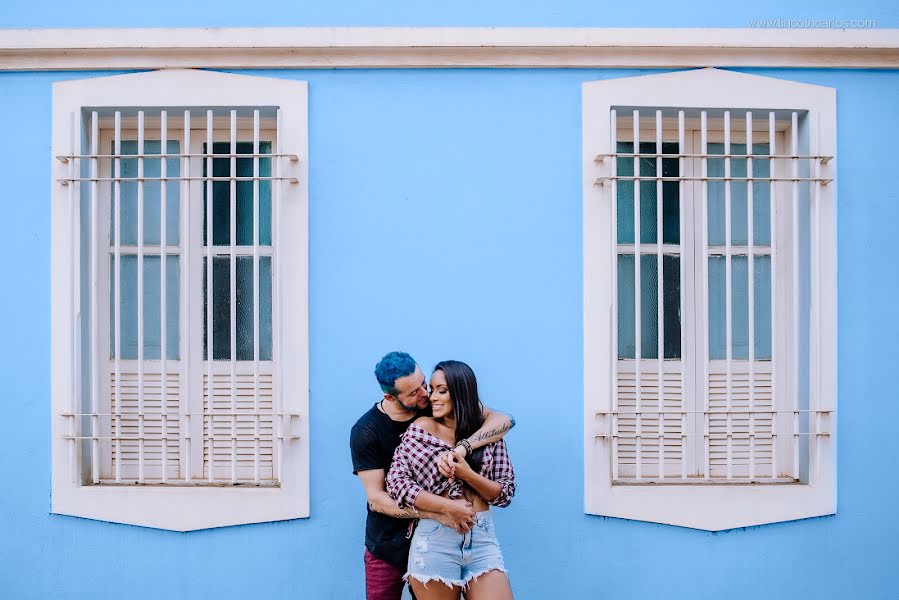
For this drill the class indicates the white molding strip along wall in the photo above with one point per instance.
(433, 47)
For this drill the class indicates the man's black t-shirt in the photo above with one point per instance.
(373, 440)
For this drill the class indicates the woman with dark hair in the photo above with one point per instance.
(449, 560)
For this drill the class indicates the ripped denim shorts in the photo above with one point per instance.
(440, 553)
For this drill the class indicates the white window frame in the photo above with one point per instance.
(183, 508)
(706, 506)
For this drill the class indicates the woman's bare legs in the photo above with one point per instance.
(492, 585)
(435, 590)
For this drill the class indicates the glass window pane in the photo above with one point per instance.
(625, 212)
(625, 196)
(738, 196)
(648, 214)
(648, 195)
(152, 307)
(221, 196)
(625, 165)
(152, 330)
(173, 306)
(740, 307)
(265, 308)
(221, 202)
(245, 308)
(717, 308)
(739, 225)
(649, 306)
(762, 277)
(245, 196)
(761, 197)
(245, 313)
(127, 307)
(670, 213)
(716, 197)
(221, 309)
(152, 194)
(626, 308)
(671, 303)
(670, 196)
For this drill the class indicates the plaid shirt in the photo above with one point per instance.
(414, 469)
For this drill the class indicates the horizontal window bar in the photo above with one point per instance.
(700, 480)
(712, 436)
(823, 159)
(216, 413)
(667, 249)
(198, 178)
(147, 249)
(739, 250)
(602, 180)
(205, 438)
(732, 411)
(247, 483)
(66, 158)
(241, 251)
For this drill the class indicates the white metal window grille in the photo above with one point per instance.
(711, 364)
(714, 283)
(175, 219)
(697, 216)
(171, 191)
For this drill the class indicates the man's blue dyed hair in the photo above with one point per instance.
(392, 367)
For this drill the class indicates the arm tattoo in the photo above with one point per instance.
(486, 435)
(398, 513)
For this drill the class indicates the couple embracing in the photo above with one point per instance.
(432, 460)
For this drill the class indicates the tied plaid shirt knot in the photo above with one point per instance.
(414, 469)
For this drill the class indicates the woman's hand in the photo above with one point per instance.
(461, 469)
(446, 464)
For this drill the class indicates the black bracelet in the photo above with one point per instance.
(465, 444)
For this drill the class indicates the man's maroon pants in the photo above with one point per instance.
(383, 581)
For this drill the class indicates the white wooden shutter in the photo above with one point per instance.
(650, 434)
(125, 455)
(219, 425)
(758, 424)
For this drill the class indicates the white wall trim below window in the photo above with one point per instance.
(181, 508)
(443, 47)
(718, 507)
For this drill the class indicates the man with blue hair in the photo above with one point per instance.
(373, 440)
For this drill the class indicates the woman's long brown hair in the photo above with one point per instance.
(463, 390)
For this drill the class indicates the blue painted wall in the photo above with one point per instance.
(445, 218)
(460, 13)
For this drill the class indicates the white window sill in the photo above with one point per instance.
(180, 508)
(712, 507)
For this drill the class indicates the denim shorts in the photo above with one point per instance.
(440, 553)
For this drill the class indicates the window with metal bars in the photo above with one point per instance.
(702, 213)
(185, 419)
(171, 189)
(146, 428)
(708, 202)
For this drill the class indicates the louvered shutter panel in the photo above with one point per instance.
(650, 440)
(761, 422)
(217, 423)
(125, 454)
